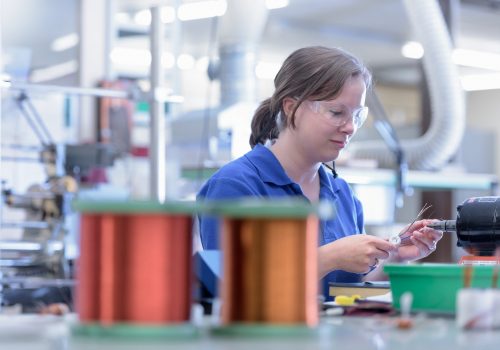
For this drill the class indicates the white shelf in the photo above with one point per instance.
(420, 179)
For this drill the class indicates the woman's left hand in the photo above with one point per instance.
(422, 241)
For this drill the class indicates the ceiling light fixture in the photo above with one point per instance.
(461, 57)
(413, 50)
(129, 56)
(276, 4)
(65, 42)
(54, 72)
(201, 9)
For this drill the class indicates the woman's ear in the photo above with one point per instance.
(288, 106)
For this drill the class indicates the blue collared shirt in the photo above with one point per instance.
(259, 174)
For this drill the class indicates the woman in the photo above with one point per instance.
(317, 106)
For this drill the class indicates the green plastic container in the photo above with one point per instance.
(434, 286)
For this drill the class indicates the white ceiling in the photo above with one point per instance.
(372, 29)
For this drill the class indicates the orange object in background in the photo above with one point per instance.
(134, 268)
(479, 260)
(270, 270)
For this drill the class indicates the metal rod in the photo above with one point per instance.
(67, 90)
(138, 95)
(31, 122)
(38, 282)
(157, 125)
(25, 224)
(110, 36)
(19, 159)
(20, 246)
(34, 195)
(38, 118)
(25, 148)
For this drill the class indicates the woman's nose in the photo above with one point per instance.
(348, 126)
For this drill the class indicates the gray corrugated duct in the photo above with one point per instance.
(240, 31)
(433, 149)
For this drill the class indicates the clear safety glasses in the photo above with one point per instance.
(339, 115)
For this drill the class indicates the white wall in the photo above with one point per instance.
(483, 113)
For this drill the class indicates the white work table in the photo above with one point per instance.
(333, 333)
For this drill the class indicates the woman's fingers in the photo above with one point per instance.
(425, 239)
(422, 247)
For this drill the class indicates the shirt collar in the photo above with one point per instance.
(262, 158)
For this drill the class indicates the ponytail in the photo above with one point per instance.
(263, 124)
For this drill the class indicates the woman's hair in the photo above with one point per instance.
(311, 72)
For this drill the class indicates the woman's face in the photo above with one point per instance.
(324, 129)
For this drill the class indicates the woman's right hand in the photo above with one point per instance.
(357, 253)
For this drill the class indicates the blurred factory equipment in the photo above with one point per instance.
(433, 149)
(477, 225)
(41, 250)
(386, 130)
(40, 253)
(224, 130)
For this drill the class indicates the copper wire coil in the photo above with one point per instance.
(270, 271)
(135, 268)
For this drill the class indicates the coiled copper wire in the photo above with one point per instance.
(134, 268)
(270, 270)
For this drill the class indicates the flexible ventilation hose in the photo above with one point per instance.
(432, 150)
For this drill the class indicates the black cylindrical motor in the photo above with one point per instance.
(477, 225)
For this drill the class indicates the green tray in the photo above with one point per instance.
(434, 286)
(243, 330)
(136, 331)
(137, 206)
(270, 208)
(243, 207)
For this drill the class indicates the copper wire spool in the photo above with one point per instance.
(134, 268)
(270, 270)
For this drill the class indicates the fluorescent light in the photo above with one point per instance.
(201, 9)
(54, 72)
(476, 82)
(65, 42)
(185, 61)
(138, 58)
(143, 18)
(461, 57)
(266, 70)
(175, 98)
(276, 4)
(477, 59)
(129, 56)
(412, 49)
